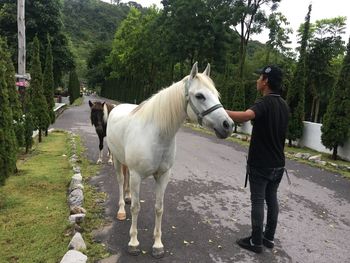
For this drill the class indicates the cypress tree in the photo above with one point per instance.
(41, 117)
(336, 121)
(296, 92)
(14, 101)
(8, 147)
(28, 119)
(73, 86)
(49, 82)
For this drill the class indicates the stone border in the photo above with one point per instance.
(77, 212)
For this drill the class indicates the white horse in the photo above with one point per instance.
(143, 138)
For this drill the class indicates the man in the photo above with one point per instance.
(266, 160)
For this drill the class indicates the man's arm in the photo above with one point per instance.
(241, 116)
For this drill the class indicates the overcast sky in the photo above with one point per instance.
(295, 11)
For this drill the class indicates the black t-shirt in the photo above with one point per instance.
(270, 125)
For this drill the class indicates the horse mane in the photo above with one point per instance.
(107, 108)
(166, 108)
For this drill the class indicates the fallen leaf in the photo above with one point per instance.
(173, 227)
(210, 241)
(219, 246)
(144, 252)
(185, 242)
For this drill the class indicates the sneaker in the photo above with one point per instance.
(268, 243)
(247, 243)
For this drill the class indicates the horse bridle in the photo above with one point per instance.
(200, 115)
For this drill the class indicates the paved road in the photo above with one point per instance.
(207, 209)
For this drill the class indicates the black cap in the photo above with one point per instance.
(274, 75)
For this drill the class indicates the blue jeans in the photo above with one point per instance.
(264, 183)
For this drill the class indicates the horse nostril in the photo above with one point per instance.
(226, 125)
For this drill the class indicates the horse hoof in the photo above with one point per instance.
(158, 252)
(127, 200)
(121, 216)
(134, 251)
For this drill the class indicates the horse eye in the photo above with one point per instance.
(200, 96)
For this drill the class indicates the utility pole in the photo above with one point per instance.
(21, 75)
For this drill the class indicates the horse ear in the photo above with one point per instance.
(90, 104)
(207, 70)
(194, 70)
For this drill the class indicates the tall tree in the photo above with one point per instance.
(28, 119)
(73, 86)
(325, 46)
(296, 92)
(48, 82)
(41, 117)
(336, 124)
(8, 147)
(15, 103)
(42, 18)
(248, 18)
(278, 35)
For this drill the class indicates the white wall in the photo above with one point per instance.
(311, 139)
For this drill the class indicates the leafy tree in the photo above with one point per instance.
(278, 35)
(42, 18)
(296, 92)
(325, 46)
(41, 118)
(96, 65)
(336, 124)
(48, 82)
(73, 86)
(249, 18)
(8, 147)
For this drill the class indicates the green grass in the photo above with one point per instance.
(33, 206)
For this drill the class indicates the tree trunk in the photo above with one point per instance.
(317, 109)
(39, 135)
(312, 109)
(335, 152)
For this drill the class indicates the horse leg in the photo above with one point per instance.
(127, 195)
(99, 160)
(110, 160)
(135, 181)
(161, 184)
(121, 215)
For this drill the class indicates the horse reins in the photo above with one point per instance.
(200, 115)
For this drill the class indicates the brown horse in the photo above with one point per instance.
(99, 115)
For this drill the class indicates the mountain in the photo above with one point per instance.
(88, 23)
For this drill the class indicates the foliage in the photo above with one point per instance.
(48, 81)
(278, 35)
(296, 92)
(96, 65)
(8, 147)
(336, 124)
(325, 46)
(88, 23)
(73, 86)
(14, 99)
(41, 118)
(42, 18)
